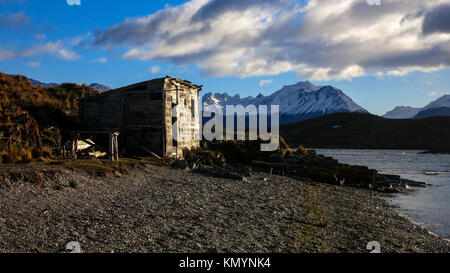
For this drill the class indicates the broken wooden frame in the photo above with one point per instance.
(113, 143)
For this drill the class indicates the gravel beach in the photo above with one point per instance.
(160, 209)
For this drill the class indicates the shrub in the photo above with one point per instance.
(36, 152)
(284, 148)
(42, 152)
(47, 152)
(23, 154)
(73, 184)
(4, 156)
(302, 150)
(8, 155)
(28, 157)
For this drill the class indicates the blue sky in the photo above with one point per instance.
(247, 47)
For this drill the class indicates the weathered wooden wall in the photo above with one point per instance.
(178, 92)
(135, 111)
(143, 114)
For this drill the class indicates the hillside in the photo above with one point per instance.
(359, 131)
(434, 112)
(33, 115)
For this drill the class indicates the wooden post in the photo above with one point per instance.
(116, 147)
(110, 146)
(75, 147)
(113, 147)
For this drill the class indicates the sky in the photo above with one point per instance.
(382, 56)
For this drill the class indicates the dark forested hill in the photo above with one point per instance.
(361, 131)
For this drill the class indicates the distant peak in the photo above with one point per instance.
(405, 107)
(303, 85)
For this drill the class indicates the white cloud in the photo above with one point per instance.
(99, 60)
(13, 20)
(41, 36)
(324, 40)
(328, 73)
(34, 64)
(7, 54)
(433, 93)
(155, 69)
(264, 82)
(73, 2)
(54, 48)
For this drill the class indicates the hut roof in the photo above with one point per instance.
(145, 83)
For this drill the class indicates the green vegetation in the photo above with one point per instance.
(73, 184)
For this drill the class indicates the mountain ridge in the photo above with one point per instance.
(99, 87)
(438, 107)
(297, 102)
(402, 112)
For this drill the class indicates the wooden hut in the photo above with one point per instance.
(142, 113)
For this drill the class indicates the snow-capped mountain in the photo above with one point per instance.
(297, 102)
(443, 101)
(439, 107)
(100, 87)
(402, 112)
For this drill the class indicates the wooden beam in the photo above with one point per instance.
(150, 152)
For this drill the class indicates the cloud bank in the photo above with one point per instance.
(13, 20)
(322, 40)
(56, 49)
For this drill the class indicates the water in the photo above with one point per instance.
(429, 206)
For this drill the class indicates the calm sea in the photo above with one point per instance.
(429, 206)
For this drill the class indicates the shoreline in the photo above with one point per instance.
(419, 151)
(430, 169)
(422, 225)
(161, 209)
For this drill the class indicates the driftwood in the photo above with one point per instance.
(150, 152)
(113, 148)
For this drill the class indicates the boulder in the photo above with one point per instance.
(180, 164)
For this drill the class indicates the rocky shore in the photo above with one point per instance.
(162, 209)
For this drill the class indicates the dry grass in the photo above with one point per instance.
(32, 117)
(107, 168)
(41, 171)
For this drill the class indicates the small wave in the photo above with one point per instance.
(434, 173)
